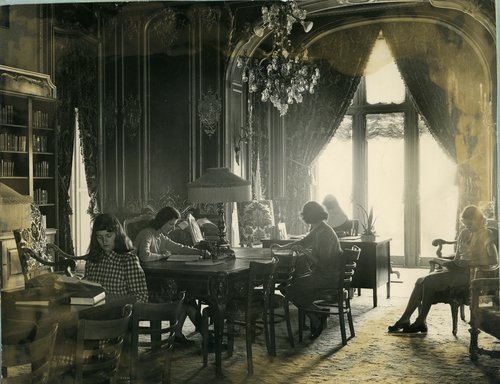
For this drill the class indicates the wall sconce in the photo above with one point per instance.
(243, 138)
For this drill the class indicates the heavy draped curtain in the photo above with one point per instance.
(76, 77)
(447, 84)
(342, 58)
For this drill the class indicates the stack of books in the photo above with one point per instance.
(87, 298)
(47, 290)
(40, 297)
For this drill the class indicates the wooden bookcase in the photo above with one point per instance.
(28, 155)
(28, 149)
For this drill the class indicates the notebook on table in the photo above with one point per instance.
(184, 258)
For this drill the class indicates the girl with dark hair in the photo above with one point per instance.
(322, 250)
(153, 243)
(475, 247)
(112, 260)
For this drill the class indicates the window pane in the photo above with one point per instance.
(385, 135)
(383, 81)
(335, 167)
(438, 193)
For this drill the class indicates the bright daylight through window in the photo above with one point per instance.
(385, 164)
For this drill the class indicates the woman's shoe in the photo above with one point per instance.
(179, 338)
(318, 329)
(398, 326)
(416, 328)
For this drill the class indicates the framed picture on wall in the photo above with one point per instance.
(4, 16)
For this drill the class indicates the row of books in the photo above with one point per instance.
(40, 143)
(7, 114)
(41, 196)
(41, 169)
(40, 119)
(6, 168)
(12, 142)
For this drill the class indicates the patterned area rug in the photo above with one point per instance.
(372, 356)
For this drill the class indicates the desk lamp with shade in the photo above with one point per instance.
(219, 185)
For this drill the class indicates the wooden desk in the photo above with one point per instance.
(374, 265)
(214, 284)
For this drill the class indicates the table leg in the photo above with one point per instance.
(218, 333)
(374, 297)
(218, 296)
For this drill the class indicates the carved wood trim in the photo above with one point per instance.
(475, 8)
(21, 80)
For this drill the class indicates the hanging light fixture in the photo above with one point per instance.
(284, 74)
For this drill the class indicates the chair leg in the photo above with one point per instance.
(205, 335)
(230, 337)
(454, 317)
(268, 336)
(349, 318)
(286, 308)
(272, 331)
(302, 318)
(462, 312)
(248, 334)
(342, 323)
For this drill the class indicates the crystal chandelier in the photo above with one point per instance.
(283, 75)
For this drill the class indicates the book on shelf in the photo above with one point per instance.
(87, 297)
(40, 297)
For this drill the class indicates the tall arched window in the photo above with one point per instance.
(397, 166)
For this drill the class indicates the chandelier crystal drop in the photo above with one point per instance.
(284, 74)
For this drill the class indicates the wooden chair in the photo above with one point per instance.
(283, 275)
(457, 297)
(27, 352)
(337, 300)
(485, 317)
(153, 341)
(132, 226)
(99, 344)
(255, 305)
(36, 255)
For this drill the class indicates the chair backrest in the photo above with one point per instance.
(134, 225)
(153, 328)
(349, 259)
(27, 352)
(261, 274)
(36, 259)
(99, 346)
(31, 245)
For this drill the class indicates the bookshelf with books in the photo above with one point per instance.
(28, 150)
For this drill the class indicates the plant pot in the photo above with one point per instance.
(367, 237)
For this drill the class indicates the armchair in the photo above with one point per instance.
(458, 297)
(36, 255)
(484, 317)
(133, 225)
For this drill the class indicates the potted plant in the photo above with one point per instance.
(368, 223)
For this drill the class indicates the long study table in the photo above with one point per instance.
(215, 283)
